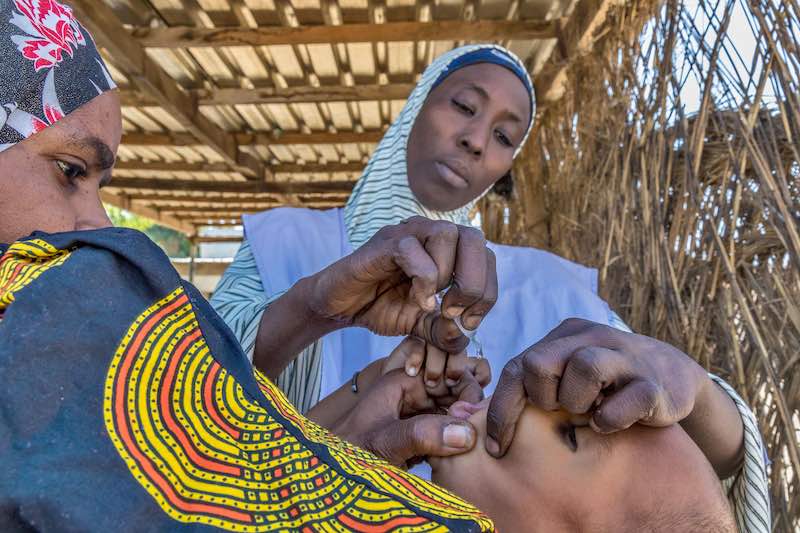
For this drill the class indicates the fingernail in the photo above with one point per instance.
(454, 311)
(430, 303)
(451, 382)
(431, 383)
(412, 371)
(472, 321)
(457, 436)
(492, 447)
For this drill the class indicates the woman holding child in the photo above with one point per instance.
(126, 400)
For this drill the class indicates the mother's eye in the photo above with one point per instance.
(464, 108)
(70, 170)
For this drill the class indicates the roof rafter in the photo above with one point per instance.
(283, 168)
(263, 139)
(576, 36)
(127, 53)
(123, 202)
(477, 30)
(275, 187)
(290, 95)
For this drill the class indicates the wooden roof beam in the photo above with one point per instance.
(290, 95)
(441, 30)
(274, 187)
(284, 168)
(264, 139)
(127, 53)
(123, 202)
(224, 212)
(236, 200)
(576, 37)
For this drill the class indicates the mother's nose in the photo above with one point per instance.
(91, 214)
(473, 142)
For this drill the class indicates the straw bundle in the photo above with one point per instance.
(692, 218)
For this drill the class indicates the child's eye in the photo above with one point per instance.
(463, 107)
(70, 170)
(572, 439)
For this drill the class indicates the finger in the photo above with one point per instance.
(456, 366)
(587, 333)
(415, 262)
(409, 355)
(442, 332)
(542, 367)
(505, 408)
(588, 371)
(476, 312)
(422, 435)
(468, 389)
(435, 361)
(479, 367)
(441, 244)
(399, 395)
(469, 276)
(634, 402)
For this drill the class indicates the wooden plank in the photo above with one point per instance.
(316, 137)
(441, 30)
(147, 75)
(215, 240)
(297, 95)
(264, 139)
(148, 212)
(275, 187)
(236, 200)
(576, 37)
(285, 168)
(233, 211)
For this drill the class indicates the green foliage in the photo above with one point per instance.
(174, 243)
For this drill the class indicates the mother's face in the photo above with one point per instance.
(465, 135)
(51, 181)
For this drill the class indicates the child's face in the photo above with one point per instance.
(559, 475)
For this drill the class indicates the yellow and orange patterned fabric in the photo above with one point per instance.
(148, 414)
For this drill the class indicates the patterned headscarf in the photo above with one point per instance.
(382, 195)
(49, 67)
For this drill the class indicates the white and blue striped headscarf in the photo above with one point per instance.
(382, 195)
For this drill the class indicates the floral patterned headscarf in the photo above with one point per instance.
(49, 67)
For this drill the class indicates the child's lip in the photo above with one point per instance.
(464, 410)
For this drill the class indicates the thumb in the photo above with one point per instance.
(422, 435)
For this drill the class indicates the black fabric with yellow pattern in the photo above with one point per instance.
(127, 403)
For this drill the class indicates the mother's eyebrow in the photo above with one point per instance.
(103, 155)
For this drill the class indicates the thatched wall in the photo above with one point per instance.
(691, 218)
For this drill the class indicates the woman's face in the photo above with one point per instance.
(51, 181)
(466, 134)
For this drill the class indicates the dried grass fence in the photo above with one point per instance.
(692, 218)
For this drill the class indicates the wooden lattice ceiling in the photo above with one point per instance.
(235, 106)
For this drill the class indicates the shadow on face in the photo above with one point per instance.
(465, 135)
(51, 181)
(559, 475)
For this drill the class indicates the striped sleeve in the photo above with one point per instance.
(748, 490)
(240, 300)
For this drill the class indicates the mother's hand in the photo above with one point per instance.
(389, 285)
(398, 420)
